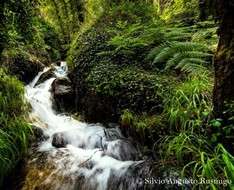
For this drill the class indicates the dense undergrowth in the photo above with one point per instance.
(157, 77)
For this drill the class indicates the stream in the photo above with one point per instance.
(93, 157)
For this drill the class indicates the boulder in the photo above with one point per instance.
(63, 94)
(122, 150)
(39, 134)
(24, 69)
(45, 76)
(59, 140)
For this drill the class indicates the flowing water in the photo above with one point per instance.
(93, 157)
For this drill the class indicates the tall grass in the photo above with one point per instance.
(14, 131)
(189, 102)
(189, 147)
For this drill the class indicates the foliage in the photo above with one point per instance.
(181, 49)
(14, 132)
(26, 33)
(12, 93)
(131, 42)
(138, 89)
(127, 118)
(190, 144)
(175, 46)
(187, 56)
(206, 33)
(198, 159)
(123, 52)
(178, 10)
(131, 11)
(102, 29)
(190, 102)
(146, 128)
(65, 16)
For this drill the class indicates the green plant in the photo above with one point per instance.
(133, 41)
(182, 146)
(177, 32)
(189, 57)
(189, 103)
(207, 35)
(126, 118)
(179, 10)
(212, 165)
(131, 87)
(14, 131)
(197, 159)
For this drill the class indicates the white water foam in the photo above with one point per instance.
(86, 144)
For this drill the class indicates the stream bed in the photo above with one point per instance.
(74, 155)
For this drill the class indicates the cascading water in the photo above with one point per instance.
(92, 157)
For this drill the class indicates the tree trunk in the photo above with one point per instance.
(224, 58)
(203, 10)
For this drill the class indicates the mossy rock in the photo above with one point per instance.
(24, 69)
(108, 89)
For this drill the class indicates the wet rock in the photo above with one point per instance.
(63, 94)
(134, 177)
(39, 134)
(112, 133)
(97, 108)
(45, 76)
(122, 150)
(24, 69)
(59, 140)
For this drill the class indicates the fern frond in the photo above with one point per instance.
(191, 56)
(190, 60)
(165, 54)
(155, 51)
(193, 68)
(177, 35)
(165, 51)
(188, 46)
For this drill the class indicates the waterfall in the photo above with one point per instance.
(92, 157)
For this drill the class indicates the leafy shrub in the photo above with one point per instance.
(132, 88)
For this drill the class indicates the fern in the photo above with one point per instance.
(189, 56)
(186, 56)
(178, 34)
(155, 51)
(193, 68)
